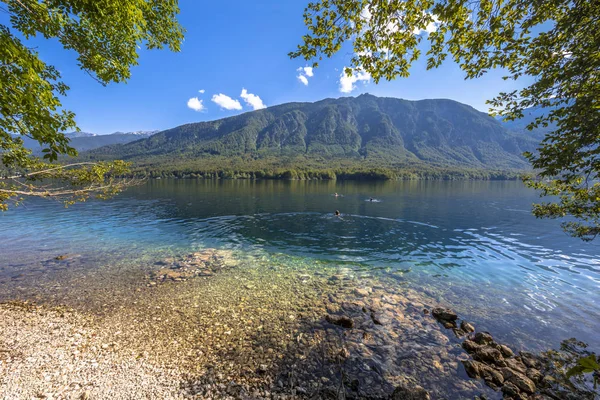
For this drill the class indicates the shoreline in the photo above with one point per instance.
(336, 175)
(258, 332)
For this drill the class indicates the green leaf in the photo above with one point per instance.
(576, 370)
(589, 363)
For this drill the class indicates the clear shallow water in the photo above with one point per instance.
(471, 245)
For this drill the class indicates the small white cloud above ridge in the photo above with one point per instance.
(303, 79)
(304, 74)
(307, 71)
(347, 83)
(226, 102)
(252, 100)
(201, 91)
(195, 104)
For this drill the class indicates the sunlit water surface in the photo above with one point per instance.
(472, 245)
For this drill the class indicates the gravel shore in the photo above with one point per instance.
(60, 354)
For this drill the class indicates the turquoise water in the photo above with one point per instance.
(471, 245)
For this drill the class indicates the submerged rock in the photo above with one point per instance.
(361, 292)
(444, 314)
(523, 383)
(479, 370)
(199, 264)
(343, 321)
(467, 327)
(510, 390)
(483, 338)
(506, 351)
(530, 360)
(506, 372)
(410, 393)
(488, 354)
(534, 374)
(470, 346)
(64, 257)
(379, 318)
(516, 365)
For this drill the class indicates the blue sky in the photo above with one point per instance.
(230, 46)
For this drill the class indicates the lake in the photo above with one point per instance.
(472, 246)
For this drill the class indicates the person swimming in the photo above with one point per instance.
(336, 195)
(337, 213)
(371, 199)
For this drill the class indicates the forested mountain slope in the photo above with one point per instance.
(367, 130)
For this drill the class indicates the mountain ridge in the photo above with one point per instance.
(368, 130)
(84, 141)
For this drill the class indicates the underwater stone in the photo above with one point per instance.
(510, 390)
(523, 383)
(342, 321)
(488, 355)
(506, 372)
(529, 359)
(467, 327)
(361, 292)
(515, 364)
(534, 374)
(63, 257)
(410, 393)
(483, 338)
(378, 318)
(438, 337)
(470, 346)
(444, 314)
(506, 351)
(548, 381)
(448, 324)
(476, 370)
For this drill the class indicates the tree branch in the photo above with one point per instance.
(48, 170)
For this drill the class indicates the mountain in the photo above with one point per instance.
(529, 116)
(360, 131)
(83, 141)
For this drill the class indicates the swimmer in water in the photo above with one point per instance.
(336, 195)
(371, 199)
(337, 213)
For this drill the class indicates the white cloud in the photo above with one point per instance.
(201, 91)
(304, 74)
(252, 100)
(308, 71)
(347, 83)
(303, 79)
(195, 104)
(226, 102)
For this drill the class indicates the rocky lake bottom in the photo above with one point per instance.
(218, 324)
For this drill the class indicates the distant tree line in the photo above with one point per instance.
(375, 174)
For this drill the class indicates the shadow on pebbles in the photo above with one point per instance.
(212, 326)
